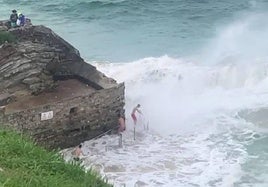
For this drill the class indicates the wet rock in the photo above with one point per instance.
(140, 184)
(114, 169)
(31, 80)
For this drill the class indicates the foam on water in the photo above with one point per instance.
(195, 136)
(198, 159)
(241, 41)
(173, 91)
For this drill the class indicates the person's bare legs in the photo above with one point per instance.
(134, 118)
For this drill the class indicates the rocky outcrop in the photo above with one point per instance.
(40, 73)
(40, 57)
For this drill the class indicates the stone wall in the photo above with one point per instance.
(74, 120)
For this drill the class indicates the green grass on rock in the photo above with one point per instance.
(6, 37)
(24, 164)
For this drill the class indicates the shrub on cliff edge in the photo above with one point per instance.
(24, 164)
(6, 37)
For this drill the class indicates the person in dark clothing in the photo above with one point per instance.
(13, 18)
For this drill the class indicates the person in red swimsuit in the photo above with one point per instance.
(133, 114)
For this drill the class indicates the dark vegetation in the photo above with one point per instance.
(6, 37)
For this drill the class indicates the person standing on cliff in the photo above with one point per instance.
(13, 18)
(121, 123)
(133, 114)
(21, 19)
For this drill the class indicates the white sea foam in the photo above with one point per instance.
(175, 160)
(242, 41)
(173, 92)
(195, 137)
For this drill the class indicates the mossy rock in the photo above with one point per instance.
(6, 37)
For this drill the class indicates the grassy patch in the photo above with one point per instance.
(6, 37)
(24, 164)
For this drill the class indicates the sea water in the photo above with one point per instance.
(199, 69)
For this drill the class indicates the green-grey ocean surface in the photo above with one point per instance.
(126, 30)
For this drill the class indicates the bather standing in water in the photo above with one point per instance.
(133, 114)
(122, 124)
(78, 152)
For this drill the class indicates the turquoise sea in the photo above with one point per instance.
(127, 30)
(199, 68)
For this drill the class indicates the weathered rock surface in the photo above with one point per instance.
(40, 57)
(41, 72)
